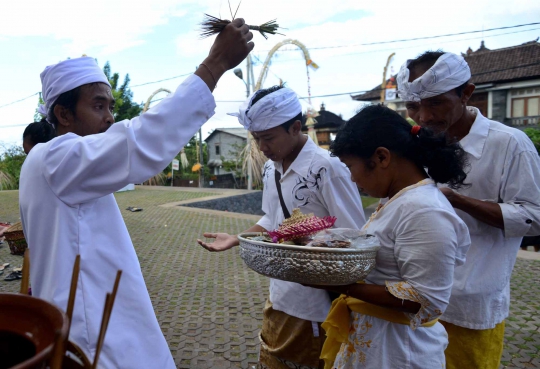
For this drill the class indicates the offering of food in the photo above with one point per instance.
(332, 244)
(342, 238)
(299, 226)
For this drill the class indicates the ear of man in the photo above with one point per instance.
(63, 115)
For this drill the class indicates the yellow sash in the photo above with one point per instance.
(337, 323)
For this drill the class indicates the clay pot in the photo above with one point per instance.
(29, 330)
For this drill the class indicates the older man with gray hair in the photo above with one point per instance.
(501, 205)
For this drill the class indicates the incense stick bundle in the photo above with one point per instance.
(109, 303)
(25, 273)
(212, 25)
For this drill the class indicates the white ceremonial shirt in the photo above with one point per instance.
(505, 169)
(315, 183)
(422, 241)
(68, 208)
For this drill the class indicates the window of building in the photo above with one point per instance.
(217, 150)
(525, 106)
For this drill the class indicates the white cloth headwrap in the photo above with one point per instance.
(67, 75)
(271, 111)
(448, 72)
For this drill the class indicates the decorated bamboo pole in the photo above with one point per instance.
(383, 85)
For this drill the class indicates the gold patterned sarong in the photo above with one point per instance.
(337, 323)
(289, 342)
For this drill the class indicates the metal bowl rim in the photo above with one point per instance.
(241, 238)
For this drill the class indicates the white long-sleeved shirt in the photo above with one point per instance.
(504, 169)
(422, 241)
(315, 183)
(68, 208)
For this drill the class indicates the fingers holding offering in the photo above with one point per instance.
(239, 22)
(232, 44)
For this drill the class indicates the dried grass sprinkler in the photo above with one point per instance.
(212, 26)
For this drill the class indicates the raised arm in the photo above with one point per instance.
(80, 169)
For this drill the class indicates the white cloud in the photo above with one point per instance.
(106, 27)
(104, 24)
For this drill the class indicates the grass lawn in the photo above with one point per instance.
(367, 201)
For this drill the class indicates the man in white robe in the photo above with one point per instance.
(67, 204)
(501, 205)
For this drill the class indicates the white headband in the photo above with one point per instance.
(67, 75)
(271, 111)
(448, 72)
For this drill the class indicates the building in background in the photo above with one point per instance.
(507, 84)
(224, 144)
(328, 124)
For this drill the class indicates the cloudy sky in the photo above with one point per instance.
(156, 40)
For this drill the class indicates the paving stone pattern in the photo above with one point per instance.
(210, 305)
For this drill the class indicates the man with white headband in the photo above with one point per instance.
(501, 205)
(300, 175)
(67, 203)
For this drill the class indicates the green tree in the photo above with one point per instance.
(125, 108)
(534, 135)
(11, 161)
(37, 116)
(191, 153)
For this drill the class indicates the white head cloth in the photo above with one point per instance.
(67, 75)
(271, 111)
(448, 72)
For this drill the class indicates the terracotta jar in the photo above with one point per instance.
(29, 330)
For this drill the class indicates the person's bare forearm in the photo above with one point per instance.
(486, 212)
(378, 295)
(255, 229)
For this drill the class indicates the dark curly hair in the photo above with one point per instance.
(379, 126)
(267, 91)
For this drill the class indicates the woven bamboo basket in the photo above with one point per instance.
(15, 239)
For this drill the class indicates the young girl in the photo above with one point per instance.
(390, 321)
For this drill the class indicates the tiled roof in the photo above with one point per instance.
(239, 132)
(504, 65)
(508, 64)
(325, 119)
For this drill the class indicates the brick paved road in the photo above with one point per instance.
(209, 305)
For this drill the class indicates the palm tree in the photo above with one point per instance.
(7, 182)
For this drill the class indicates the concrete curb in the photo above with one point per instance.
(529, 255)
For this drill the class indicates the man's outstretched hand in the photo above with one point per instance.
(223, 241)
